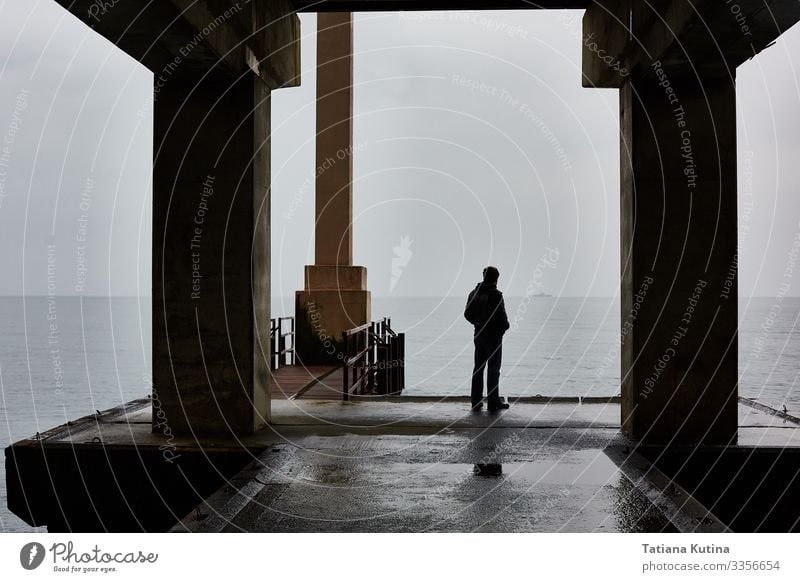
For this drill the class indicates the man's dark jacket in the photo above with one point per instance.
(486, 310)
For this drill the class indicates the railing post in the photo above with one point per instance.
(362, 359)
(391, 364)
(374, 360)
(281, 343)
(371, 358)
(294, 339)
(346, 369)
(401, 337)
(272, 336)
(279, 353)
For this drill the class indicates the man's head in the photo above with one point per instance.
(491, 275)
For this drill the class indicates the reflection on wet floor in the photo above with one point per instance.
(488, 469)
(574, 467)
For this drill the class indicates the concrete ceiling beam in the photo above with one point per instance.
(401, 5)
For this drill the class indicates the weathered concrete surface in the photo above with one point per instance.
(679, 258)
(211, 253)
(210, 220)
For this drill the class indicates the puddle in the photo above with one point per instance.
(590, 467)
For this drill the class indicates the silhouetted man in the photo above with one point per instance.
(486, 310)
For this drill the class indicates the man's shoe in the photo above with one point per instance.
(477, 407)
(499, 406)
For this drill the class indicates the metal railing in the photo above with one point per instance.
(282, 354)
(374, 360)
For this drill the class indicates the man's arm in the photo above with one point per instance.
(468, 308)
(503, 315)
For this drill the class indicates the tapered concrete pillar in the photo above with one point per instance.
(335, 297)
(679, 256)
(211, 258)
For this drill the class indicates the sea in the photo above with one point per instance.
(65, 357)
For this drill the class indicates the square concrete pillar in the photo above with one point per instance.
(333, 243)
(679, 257)
(211, 260)
(335, 299)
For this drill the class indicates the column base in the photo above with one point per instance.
(335, 299)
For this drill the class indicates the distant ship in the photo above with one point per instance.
(540, 294)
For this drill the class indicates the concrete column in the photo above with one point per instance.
(679, 256)
(211, 258)
(335, 297)
(333, 243)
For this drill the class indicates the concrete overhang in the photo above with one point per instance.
(699, 37)
(719, 33)
(191, 38)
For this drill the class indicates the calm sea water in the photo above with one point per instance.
(64, 358)
(570, 346)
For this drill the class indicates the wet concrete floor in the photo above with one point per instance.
(465, 480)
(414, 465)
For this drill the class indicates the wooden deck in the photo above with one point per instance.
(307, 383)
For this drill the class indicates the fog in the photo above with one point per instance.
(474, 143)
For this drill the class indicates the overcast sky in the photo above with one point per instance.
(447, 177)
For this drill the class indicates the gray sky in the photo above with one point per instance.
(474, 144)
(78, 140)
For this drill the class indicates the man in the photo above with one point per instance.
(486, 310)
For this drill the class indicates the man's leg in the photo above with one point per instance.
(493, 373)
(477, 371)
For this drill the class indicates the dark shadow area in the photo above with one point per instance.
(751, 489)
(95, 486)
